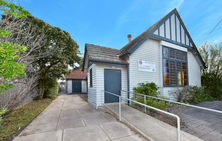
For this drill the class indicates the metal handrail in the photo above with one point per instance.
(120, 98)
(198, 107)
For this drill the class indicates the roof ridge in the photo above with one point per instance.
(103, 46)
(143, 33)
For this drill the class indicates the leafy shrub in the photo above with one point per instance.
(2, 111)
(147, 89)
(51, 90)
(197, 94)
(150, 89)
(192, 94)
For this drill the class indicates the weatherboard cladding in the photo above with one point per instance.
(148, 51)
(100, 81)
(92, 90)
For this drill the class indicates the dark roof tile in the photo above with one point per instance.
(102, 53)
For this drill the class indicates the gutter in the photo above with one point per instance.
(108, 62)
(124, 54)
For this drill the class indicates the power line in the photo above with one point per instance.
(210, 33)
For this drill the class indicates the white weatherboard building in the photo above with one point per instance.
(164, 54)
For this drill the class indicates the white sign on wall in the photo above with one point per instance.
(146, 66)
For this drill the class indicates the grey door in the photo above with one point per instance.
(112, 79)
(76, 86)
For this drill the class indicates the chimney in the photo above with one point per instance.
(129, 36)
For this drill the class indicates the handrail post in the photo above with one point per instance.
(145, 102)
(120, 108)
(178, 128)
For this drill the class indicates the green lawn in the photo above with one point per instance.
(16, 120)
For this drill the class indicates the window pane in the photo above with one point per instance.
(184, 73)
(172, 54)
(172, 73)
(179, 81)
(165, 52)
(178, 55)
(184, 56)
(166, 71)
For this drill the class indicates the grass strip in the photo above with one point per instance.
(15, 121)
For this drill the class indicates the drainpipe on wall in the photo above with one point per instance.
(128, 83)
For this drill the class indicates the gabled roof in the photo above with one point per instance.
(128, 47)
(96, 52)
(101, 53)
(77, 74)
(135, 43)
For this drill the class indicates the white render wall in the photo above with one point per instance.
(69, 86)
(84, 86)
(100, 80)
(193, 70)
(148, 51)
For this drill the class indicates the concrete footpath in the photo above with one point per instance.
(70, 118)
(149, 127)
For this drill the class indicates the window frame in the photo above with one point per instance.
(175, 60)
(90, 73)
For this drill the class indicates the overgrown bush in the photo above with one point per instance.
(180, 94)
(197, 94)
(51, 90)
(147, 89)
(190, 94)
(212, 84)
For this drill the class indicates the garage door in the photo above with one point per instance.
(112, 84)
(76, 86)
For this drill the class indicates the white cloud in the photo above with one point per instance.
(215, 41)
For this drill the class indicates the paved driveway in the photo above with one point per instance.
(204, 124)
(69, 118)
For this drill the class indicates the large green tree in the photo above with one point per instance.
(65, 51)
(211, 77)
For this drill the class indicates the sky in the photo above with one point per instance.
(108, 22)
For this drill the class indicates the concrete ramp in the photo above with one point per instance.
(149, 127)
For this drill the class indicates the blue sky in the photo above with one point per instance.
(107, 22)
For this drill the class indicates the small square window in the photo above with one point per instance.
(172, 54)
(178, 55)
(184, 56)
(165, 52)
